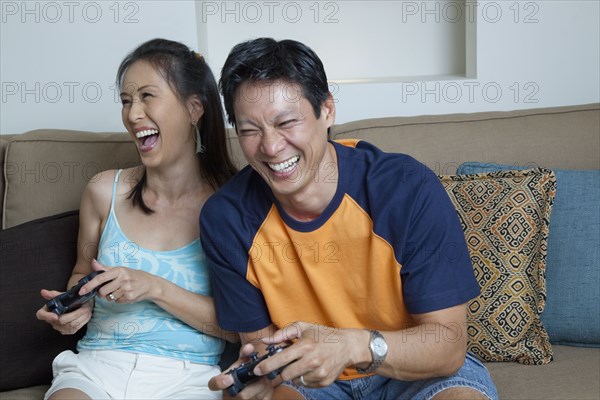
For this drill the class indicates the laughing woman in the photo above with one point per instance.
(151, 331)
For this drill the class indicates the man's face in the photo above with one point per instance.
(283, 140)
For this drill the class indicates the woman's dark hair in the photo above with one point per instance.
(188, 74)
(267, 60)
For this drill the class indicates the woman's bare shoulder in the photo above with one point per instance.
(103, 182)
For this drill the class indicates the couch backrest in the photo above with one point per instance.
(45, 171)
(562, 137)
(3, 144)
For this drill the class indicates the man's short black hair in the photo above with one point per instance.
(267, 60)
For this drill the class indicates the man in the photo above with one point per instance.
(354, 256)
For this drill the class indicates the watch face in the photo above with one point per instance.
(379, 346)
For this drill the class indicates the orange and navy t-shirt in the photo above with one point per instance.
(388, 245)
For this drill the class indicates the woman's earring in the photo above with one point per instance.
(198, 140)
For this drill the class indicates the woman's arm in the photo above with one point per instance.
(193, 309)
(94, 206)
(131, 286)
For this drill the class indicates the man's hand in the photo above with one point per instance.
(261, 389)
(319, 354)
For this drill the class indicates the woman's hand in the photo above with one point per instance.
(121, 284)
(68, 323)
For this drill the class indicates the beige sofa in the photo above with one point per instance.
(45, 172)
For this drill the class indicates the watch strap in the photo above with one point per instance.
(377, 361)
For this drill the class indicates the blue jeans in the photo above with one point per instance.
(472, 374)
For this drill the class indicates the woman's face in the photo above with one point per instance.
(159, 122)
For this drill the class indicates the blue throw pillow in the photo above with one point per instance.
(572, 314)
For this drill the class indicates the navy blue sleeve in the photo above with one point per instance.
(240, 306)
(436, 271)
(412, 211)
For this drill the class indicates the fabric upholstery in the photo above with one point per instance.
(573, 374)
(505, 218)
(563, 137)
(3, 145)
(572, 314)
(37, 255)
(47, 170)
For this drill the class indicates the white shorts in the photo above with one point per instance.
(109, 374)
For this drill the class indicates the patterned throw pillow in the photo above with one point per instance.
(505, 216)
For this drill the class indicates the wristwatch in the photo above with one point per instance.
(378, 348)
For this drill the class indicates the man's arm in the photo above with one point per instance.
(435, 346)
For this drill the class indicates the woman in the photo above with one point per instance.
(151, 329)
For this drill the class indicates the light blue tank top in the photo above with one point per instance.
(144, 327)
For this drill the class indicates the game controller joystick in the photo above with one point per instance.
(243, 375)
(71, 300)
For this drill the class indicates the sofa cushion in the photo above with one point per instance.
(3, 145)
(505, 217)
(572, 314)
(573, 374)
(38, 254)
(563, 137)
(29, 393)
(46, 170)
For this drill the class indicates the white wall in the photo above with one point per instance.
(58, 59)
(549, 56)
(356, 40)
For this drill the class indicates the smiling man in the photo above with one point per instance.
(291, 167)
(353, 256)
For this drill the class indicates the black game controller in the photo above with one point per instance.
(244, 373)
(71, 300)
